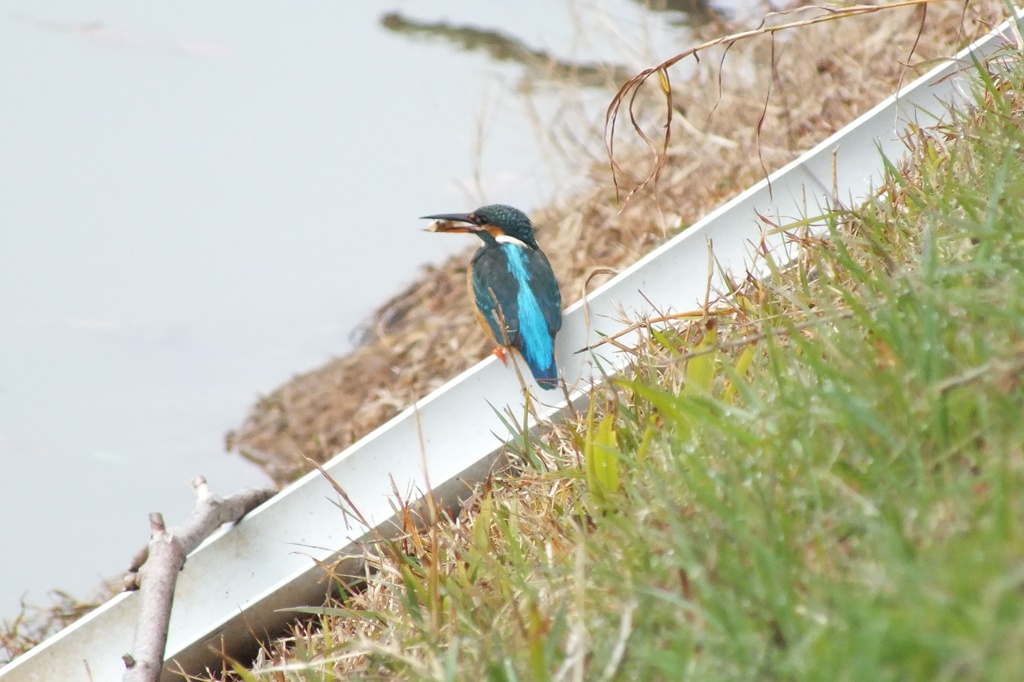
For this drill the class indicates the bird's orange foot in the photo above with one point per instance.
(502, 355)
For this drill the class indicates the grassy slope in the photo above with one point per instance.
(848, 505)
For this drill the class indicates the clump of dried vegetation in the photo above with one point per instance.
(726, 133)
(35, 623)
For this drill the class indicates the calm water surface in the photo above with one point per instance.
(198, 200)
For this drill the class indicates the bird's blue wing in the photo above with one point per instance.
(515, 285)
(495, 291)
(545, 287)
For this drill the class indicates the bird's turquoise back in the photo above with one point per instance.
(514, 283)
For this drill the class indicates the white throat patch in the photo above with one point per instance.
(505, 239)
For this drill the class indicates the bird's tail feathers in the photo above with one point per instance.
(547, 377)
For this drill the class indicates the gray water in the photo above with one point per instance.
(198, 200)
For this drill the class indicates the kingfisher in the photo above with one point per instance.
(518, 303)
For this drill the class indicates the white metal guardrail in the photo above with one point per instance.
(243, 579)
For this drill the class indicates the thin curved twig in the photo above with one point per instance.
(627, 94)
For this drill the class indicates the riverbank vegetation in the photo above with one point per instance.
(821, 479)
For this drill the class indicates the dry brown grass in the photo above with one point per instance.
(35, 623)
(822, 77)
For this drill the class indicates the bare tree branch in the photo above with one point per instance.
(155, 568)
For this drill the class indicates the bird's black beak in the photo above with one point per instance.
(450, 222)
(452, 217)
